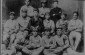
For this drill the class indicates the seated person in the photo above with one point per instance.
(10, 30)
(20, 40)
(5, 51)
(75, 29)
(34, 47)
(48, 24)
(61, 41)
(62, 23)
(36, 23)
(23, 21)
(48, 42)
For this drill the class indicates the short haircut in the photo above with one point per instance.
(12, 13)
(58, 28)
(76, 13)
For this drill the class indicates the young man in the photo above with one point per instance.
(61, 43)
(48, 42)
(48, 24)
(55, 12)
(75, 28)
(34, 47)
(42, 10)
(36, 23)
(27, 7)
(10, 29)
(63, 23)
(23, 22)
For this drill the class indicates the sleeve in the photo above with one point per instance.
(21, 10)
(57, 24)
(6, 27)
(53, 26)
(79, 27)
(69, 25)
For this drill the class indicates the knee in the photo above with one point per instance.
(24, 49)
(19, 53)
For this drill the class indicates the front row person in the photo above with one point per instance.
(61, 44)
(34, 47)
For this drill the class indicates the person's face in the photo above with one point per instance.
(62, 16)
(59, 32)
(75, 16)
(34, 33)
(27, 2)
(11, 16)
(25, 33)
(43, 5)
(24, 14)
(47, 16)
(55, 4)
(35, 13)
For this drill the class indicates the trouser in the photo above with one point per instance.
(48, 52)
(32, 52)
(5, 36)
(74, 35)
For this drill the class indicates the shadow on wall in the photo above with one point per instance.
(68, 6)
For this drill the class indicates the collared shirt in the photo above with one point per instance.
(35, 41)
(61, 41)
(42, 11)
(48, 41)
(29, 10)
(75, 25)
(10, 25)
(48, 24)
(23, 23)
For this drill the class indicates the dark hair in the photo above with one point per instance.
(29, 0)
(76, 13)
(12, 13)
(58, 28)
(55, 1)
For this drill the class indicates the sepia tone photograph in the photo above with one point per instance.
(42, 27)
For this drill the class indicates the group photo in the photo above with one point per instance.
(42, 27)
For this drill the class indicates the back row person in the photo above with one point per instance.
(55, 12)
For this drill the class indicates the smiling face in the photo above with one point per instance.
(75, 16)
